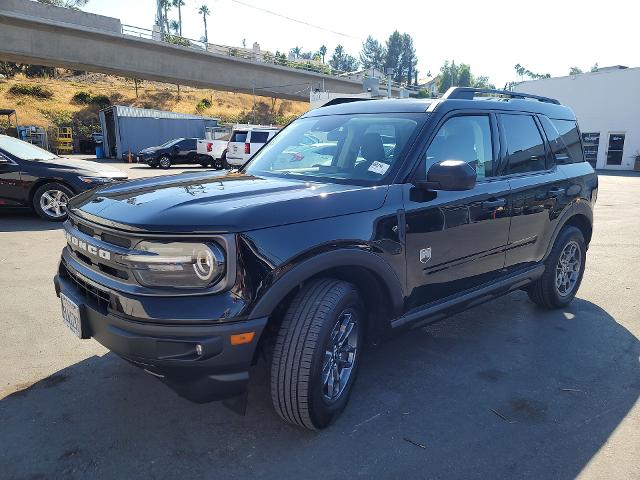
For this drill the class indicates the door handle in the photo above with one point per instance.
(494, 203)
(556, 192)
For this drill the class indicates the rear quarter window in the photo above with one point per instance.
(259, 137)
(238, 136)
(564, 140)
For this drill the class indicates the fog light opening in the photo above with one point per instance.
(199, 349)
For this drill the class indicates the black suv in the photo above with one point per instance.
(423, 208)
(176, 151)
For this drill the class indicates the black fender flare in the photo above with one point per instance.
(293, 277)
(581, 207)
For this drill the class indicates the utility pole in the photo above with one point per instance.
(389, 72)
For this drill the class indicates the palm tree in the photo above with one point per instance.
(175, 26)
(204, 11)
(322, 52)
(296, 51)
(179, 3)
(165, 5)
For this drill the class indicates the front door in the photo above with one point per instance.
(12, 191)
(455, 240)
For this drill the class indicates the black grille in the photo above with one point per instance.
(94, 295)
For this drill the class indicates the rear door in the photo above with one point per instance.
(455, 240)
(538, 189)
(236, 147)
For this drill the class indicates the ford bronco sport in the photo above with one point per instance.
(423, 208)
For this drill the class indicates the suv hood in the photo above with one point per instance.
(218, 203)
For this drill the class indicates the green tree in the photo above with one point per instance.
(373, 54)
(342, 61)
(205, 12)
(464, 77)
(165, 5)
(408, 60)
(72, 4)
(447, 77)
(178, 4)
(594, 68)
(575, 71)
(393, 59)
(174, 26)
(322, 51)
(136, 83)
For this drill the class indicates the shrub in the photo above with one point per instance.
(203, 105)
(101, 101)
(60, 118)
(35, 91)
(81, 98)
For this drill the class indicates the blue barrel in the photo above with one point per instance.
(99, 151)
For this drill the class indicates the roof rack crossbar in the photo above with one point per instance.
(468, 93)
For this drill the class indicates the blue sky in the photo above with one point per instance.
(546, 36)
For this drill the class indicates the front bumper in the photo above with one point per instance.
(168, 350)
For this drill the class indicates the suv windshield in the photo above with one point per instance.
(360, 148)
(24, 150)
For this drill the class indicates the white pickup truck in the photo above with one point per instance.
(214, 145)
(245, 141)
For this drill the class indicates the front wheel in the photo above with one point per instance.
(164, 162)
(563, 272)
(50, 201)
(316, 353)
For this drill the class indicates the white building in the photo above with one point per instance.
(607, 105)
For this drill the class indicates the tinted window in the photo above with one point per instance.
(616, 147)
(465, 138)
(189, 144)
(524, 143)
(239, 136)
(259, 137)
(564, 140)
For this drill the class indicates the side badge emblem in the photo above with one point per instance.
(425, 255)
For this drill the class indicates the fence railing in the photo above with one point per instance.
(247, 54)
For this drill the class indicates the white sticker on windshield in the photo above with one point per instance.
(379, 167)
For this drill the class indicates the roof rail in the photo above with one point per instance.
(341, 100)
(468, 93)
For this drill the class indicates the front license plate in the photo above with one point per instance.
(71, 315)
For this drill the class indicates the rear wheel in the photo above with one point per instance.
(223, 161)
(164, 162)
(50, 201)
(316, 353)
(564, 268)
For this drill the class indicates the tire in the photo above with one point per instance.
(223, 161)
(164, 162)
(300, 388)
(545, 291)
(50, 201)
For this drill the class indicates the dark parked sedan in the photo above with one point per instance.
(179, 150)
(35, 178)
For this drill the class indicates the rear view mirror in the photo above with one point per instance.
(449, 175)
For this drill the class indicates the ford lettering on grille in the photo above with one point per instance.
(87, 247)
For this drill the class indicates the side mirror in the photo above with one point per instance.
(449, 175)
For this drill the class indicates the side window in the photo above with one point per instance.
(259, 137)
(190, 144)
(525, 145)
(465, 138)
(564, 140)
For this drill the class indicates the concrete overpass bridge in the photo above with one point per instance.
(58, 37)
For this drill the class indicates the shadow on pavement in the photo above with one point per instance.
(24, 220)
(505, 390)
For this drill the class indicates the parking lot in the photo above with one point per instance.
(504, 390)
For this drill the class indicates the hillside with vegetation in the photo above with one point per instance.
(70, 99)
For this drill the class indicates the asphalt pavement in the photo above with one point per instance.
(504, 390)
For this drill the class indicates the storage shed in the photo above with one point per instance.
(130, 129)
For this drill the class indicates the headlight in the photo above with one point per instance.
(177, 264)
(96, 180)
